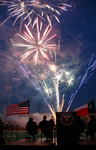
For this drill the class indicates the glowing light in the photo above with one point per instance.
(67, 73)
(38, 44)
(70, 80)
(46, 10)
(47, 90)
(32, 9)
(58, 77)
(16, 8)
(62, 104)
(27, 73)
(53, 67)
(90, 67)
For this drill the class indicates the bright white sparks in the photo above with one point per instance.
(46, 10)
(53, 68)
(17, 9)
(31, 9)
(36, 45)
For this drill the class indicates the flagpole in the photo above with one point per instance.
(29, 108)
(8, 89)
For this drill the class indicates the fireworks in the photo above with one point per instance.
(16, 8)
(46, 10)
(31, 9)
(47, 90)
(70, 80)
(53, 68)
(62, 104)
(90, 67)
(27, 73)
(38, 44)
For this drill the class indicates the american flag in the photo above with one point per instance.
(21, 108)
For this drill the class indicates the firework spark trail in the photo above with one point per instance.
(46, 10)
(85, 78)
(70, 98)
(57, 76)
(91, 60)
(32, 9)
(56, 84)
(56, 80)
(26, 72)
(70, 81)
(38, 44)
(62, 104)
(16, 9)
(47, 90)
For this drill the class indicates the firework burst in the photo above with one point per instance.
(46, 10)
(31, 9)
(17, 9)
(40, 44)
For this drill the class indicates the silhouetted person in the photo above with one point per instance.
(91, 127)
(1, 131)
(1, 127)
(44, 127)
(51, 127)
(80, 126)
(32, 127)
(51, 123)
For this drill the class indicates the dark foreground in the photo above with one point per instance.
(30, 144)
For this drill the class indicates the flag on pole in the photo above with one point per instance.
(20, 108)
(86, 109)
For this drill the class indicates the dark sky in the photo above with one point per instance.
(76, 39)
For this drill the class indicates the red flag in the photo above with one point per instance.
(86, 109)
(21, 108)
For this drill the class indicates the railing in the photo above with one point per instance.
(9, 129)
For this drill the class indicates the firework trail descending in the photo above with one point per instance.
(26, 72)
(32, 9)
(46, 10)
(89, 72)
(38, 44)
(47, 90)
(16, 8)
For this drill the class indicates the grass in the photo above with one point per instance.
(22, 134)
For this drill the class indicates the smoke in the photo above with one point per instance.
(21, 120)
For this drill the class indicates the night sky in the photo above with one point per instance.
(76, 45)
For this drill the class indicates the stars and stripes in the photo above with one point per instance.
(20, 108)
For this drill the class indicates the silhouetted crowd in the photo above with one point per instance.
(47, 128)
(91, 127)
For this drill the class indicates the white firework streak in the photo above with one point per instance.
(56, 84)
(38, 45)
(88, 73)
(62, 104)
(32, 9)
(56, 80)
(27, 73)
(40, 8)
(16, 8)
